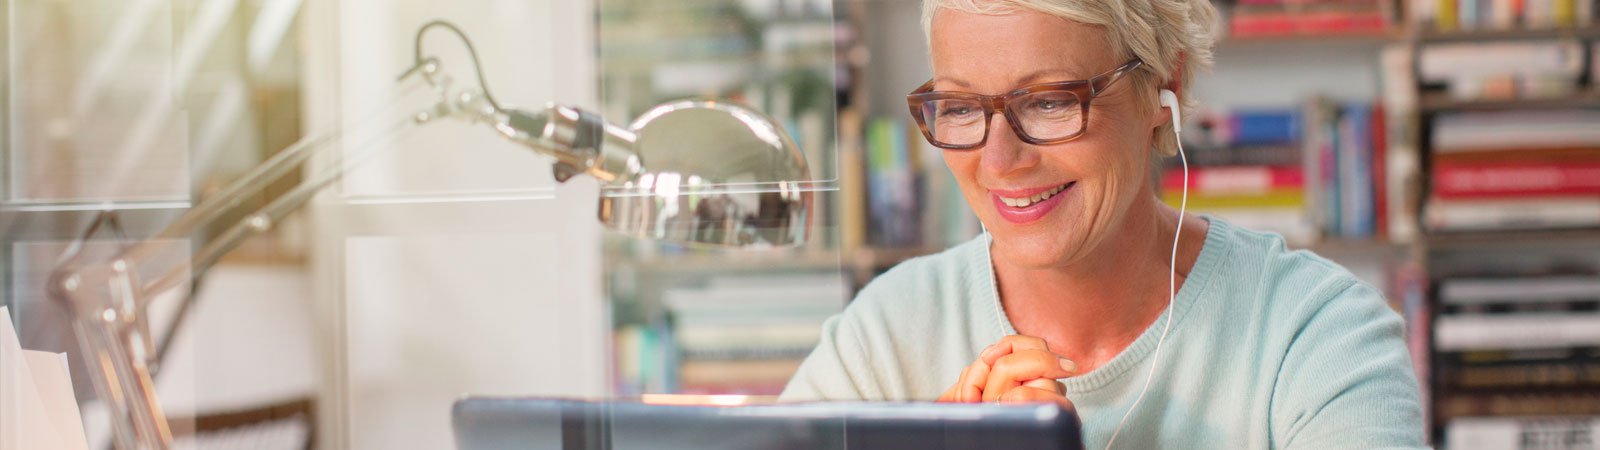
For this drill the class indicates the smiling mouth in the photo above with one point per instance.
(1036, 198)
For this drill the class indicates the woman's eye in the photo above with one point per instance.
(956, 112)
(1046, 105)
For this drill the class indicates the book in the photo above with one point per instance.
(1357, 212)
(1250, 127)
(1457, 405)
(1234, 180)
(1204, 155)
(1511, 214)
(1527, 130)
(1464, 291)
(1550, 155)
(1322, 171)
(1550, 374)
(1269, 24)
(1292, 199)
(1496, 180)
(1515, 331)
(1454, 62)
(1523, 432)
(1378, 181)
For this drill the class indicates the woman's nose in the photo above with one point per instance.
(1005, 152)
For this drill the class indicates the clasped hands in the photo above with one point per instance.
(1018, 369)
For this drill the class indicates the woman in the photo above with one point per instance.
(1067, 297)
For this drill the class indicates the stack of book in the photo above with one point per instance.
(746, 334)
(1245, 166)
(1518, 359)
(1499, 70)
(1461, 15)
(1279, 18)
(1515, 170)
(1345, 165)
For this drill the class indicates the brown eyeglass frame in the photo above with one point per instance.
(1085, 90)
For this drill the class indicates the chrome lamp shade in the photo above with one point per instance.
(712, 173)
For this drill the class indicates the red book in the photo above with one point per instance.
(1225, 180)
(1470, 181)
(1308, 23)
(1380, 173)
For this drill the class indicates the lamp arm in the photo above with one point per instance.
(108, 299)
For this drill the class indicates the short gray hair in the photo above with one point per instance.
(1155, 31)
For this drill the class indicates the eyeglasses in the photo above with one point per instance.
(1042, 114)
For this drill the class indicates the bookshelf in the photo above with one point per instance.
(1506, 292)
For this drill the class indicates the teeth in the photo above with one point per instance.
(1023, 202)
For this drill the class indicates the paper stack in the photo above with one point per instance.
(37, 407)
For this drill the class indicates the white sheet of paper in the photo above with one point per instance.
(54, 384)
(24, 423)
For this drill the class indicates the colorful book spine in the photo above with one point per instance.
(1495, 180)
(1235, 180)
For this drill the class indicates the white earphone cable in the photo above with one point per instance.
(1172, 289)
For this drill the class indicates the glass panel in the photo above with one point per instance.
(95, 111)
(701, 321)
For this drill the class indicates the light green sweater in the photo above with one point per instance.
(1269, 348)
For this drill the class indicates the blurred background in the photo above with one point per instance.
(1446, 151)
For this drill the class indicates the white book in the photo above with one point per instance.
(1516, 331)
(1511, 214)
(1470, 291)
(1446, 62)
(1498, 130)
(1544, 433)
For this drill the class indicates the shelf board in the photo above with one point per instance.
(1441, 102)
(1436, 36)
(94, 205)
(1452, 240)
(1351, 39)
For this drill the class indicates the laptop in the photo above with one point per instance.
(488, 423)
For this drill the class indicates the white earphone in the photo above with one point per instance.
(1169, 100)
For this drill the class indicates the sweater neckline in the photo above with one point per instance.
(1200, 278)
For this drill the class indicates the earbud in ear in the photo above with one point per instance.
(1169, 100)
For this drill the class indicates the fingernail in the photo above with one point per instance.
(986, 350)
(1068, 365)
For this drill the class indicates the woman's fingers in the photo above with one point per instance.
(1011, 344)
(1012, 370)
(1047, 385)
(1026, 394)
(970, 388)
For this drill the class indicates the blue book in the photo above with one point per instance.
(1264, 127)
(1358, 213)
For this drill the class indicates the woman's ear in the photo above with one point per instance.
(1175, 84)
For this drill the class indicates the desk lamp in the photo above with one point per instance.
(699, 172)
